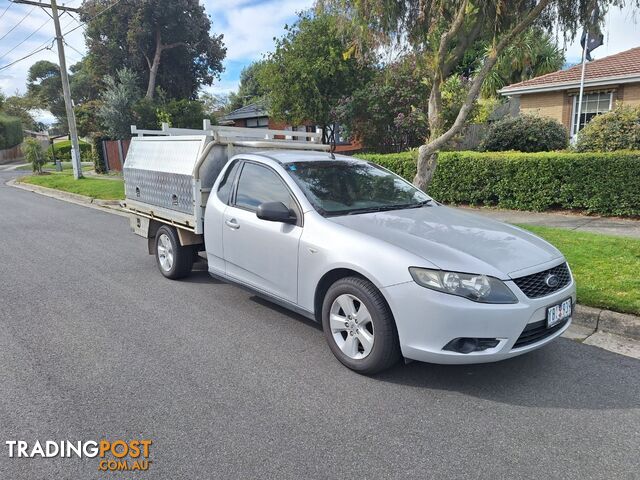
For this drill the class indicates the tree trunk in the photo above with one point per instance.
(427, 163)
(428, 154)
(153, 68)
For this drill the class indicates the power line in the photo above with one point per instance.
(39, 49)
(17, 24)
(30, 35)
(5, 10)
(82, 24)
(43, 47)
(74, 49)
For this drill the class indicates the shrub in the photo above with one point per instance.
(99, 162)
(181, 113)
(615, 130)
(602, 183)
(10, 131)
(34, 154)
(63, 151)
(525, 133)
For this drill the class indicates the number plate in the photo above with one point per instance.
(558, 313)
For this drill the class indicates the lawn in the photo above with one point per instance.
(606, 268)
(91, 187)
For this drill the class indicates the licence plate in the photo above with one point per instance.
(558, 313)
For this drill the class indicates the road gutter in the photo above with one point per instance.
(109, 206)
(617, 332)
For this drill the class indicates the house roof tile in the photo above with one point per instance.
(623, 64)
(248, 111)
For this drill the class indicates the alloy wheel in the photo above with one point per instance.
(165, 252)
(351, 326)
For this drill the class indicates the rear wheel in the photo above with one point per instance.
(359, 326)
(174, 260)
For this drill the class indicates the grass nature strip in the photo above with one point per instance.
(606, 268)
(99, 188)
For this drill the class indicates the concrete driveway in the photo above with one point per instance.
(95, 343)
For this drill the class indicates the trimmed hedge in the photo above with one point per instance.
(10, 131)
(601, 183)
(63, 151)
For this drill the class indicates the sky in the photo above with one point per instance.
(249, 27)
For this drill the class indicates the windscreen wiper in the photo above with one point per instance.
(418, 205)
(384, 208)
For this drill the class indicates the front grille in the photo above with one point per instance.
(537, 331)
(535, 286)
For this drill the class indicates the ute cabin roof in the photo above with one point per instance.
(290, 156)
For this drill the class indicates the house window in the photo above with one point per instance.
(262, 122)
(592, 104)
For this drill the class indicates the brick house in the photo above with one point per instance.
(608, 80)
(256, 115)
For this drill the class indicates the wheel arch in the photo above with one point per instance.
(331, 277)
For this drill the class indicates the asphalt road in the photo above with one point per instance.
(95, 343)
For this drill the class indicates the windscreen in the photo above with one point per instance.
(345, 187)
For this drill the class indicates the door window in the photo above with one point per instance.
(260, 184)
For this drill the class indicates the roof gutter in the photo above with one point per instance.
(551, 87)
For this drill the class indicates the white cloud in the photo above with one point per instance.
(249, 27)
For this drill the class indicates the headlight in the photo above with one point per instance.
(479, 288)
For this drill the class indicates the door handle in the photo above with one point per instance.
(232, 223)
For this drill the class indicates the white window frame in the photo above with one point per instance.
(574, 109)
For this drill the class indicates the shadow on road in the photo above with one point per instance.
(286, 312)
(591, 377)
(201, 276)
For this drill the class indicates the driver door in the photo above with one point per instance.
(261, 253)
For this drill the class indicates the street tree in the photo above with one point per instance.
(44, 89)
(444, 31)
(214, 104)
(20, 106)
(309, 72)
(389, 112)
(169, 41)
(249, 90)
(116, 112)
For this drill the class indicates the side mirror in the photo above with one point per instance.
(276, 212)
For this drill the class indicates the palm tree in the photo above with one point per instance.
(534, 54)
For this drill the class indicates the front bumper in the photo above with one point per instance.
(427, 320)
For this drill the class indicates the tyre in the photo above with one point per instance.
(174, 260)
(359, 326)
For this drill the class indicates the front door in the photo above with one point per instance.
(257, 252)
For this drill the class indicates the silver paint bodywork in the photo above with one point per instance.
(287, 263)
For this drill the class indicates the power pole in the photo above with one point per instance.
(73, 132)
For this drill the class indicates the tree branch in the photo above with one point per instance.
(462, 46)
(487, 65)
(445, 40)
(146, 57)
(172, 45)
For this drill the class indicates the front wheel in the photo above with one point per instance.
(359, 326)
(174, 260)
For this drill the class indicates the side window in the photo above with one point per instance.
(259, 184)
(224, 189)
